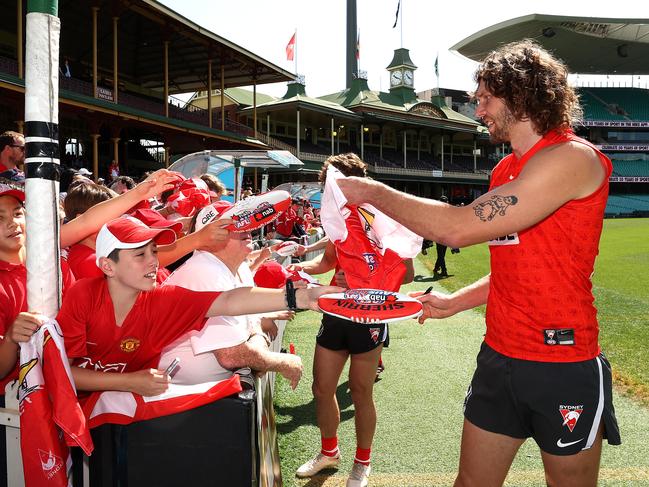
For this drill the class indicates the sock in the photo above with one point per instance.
(362, 455)
(329, 446)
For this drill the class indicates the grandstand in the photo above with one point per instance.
(124, 63)
(616, 119)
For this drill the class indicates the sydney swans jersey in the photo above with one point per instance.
(540, 304)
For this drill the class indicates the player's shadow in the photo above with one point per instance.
(320, 479)
(305, 413)
(433, 278)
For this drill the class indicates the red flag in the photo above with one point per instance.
(358, 46)
(126, 407)
(290, 48)
(48, 405)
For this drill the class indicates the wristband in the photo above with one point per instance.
(291, 299)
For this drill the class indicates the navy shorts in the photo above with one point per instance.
(560, 405)
(340, 334)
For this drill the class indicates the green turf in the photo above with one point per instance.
(419, 399)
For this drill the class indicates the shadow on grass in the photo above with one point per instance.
(436, 277)
(319, 479)
(305, 413)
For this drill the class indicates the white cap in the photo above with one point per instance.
(128, 233)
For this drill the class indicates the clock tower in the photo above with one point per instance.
(402, 74)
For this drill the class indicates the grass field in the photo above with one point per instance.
(429, 367)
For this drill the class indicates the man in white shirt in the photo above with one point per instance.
(225, 343)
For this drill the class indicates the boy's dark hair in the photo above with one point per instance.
(83, 197)
(114, 255)
(532, 83)
(349, 164)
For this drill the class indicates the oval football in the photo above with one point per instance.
(256, 211)
(370, 306)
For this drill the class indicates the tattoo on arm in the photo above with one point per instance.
(496, 205)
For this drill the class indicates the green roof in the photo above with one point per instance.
(245, 97)
(296, 94)
(359, 95)
(401, 58)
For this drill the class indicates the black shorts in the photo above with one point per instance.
(560, 405)
(340, 334)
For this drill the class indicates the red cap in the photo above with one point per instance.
(6, 190)
(129, 233)
(274, 275)
(211, 213)
(153, 219)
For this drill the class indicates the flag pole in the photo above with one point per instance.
(42, 162)
(295, 51)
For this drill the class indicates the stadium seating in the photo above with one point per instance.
(617, 103)
(631, 168)
(627, 204)
(594, 108)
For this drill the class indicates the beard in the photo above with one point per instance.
(502, 124)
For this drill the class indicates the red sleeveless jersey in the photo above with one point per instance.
(540, 304)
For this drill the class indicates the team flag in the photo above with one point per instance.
(358, 46)
(51, 419)
(437, 66)
(290, 48)
(396, 18)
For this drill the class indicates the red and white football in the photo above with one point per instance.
(370, 306)
(256, 211)
(286, 248)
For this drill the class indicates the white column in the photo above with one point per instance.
(297, 133)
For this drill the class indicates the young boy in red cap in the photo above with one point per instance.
(116, 326)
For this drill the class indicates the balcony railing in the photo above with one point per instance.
(178, 109)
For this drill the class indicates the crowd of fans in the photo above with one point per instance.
(143, 267)
(147, 267)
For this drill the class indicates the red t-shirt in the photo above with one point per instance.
(13, 300)
(540, 278)
(158, 317)
(82, 261)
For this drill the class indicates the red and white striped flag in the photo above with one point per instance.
(290, 48)
(126, 407)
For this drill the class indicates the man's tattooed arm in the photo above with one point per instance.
(496, 205)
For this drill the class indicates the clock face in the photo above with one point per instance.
(407, 77)
(395, 78)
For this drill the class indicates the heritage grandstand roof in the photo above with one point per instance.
(588, 45)
(144, 26)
